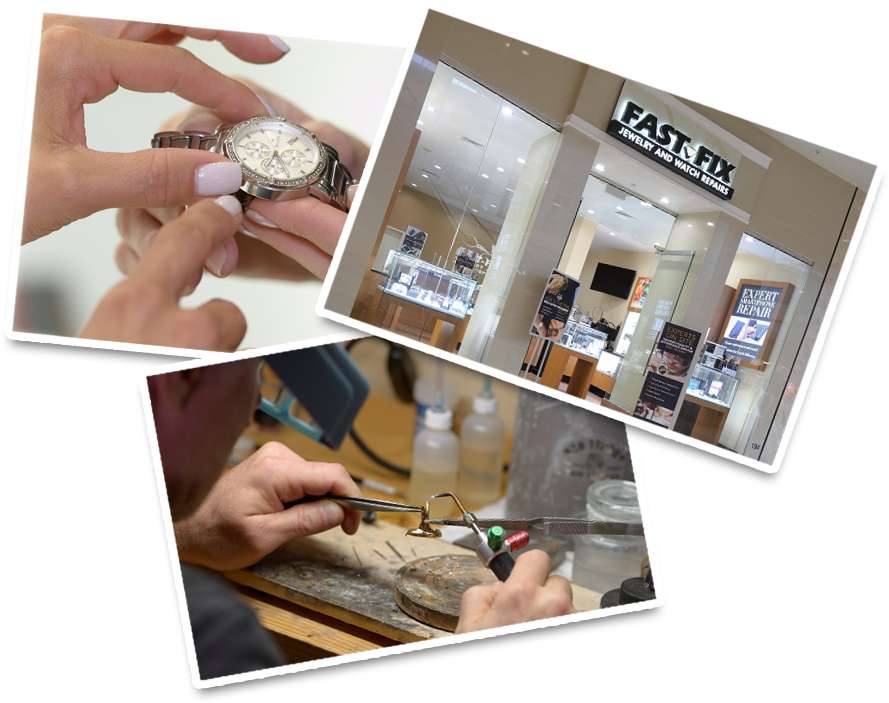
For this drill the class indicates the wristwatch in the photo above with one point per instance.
(280, 160)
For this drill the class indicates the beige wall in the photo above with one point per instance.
(613, 309)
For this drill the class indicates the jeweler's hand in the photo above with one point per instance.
(243, 518)
(78, 66)
(144, 308)
(292, 241)
(530, 594)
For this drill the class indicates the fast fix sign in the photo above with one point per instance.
(654, 129)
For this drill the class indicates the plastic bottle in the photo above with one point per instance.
(482, 437)
(435, 460)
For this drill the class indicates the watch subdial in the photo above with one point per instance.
(294, 158)
(275, 167)
(257, 150)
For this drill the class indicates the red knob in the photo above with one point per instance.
(516, 541)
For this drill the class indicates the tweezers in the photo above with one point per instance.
(552, 525)
(366, 504)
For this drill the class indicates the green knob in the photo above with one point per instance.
(495, 537)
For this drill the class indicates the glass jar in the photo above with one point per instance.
(602, 562)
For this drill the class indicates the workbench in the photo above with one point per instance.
(332, 594)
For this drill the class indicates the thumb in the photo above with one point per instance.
(475, 604)
(155, 178)
(310, 518)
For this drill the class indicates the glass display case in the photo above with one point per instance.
(584, 339)
(713, 386)
(420, 282)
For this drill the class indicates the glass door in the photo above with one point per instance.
(669, 273)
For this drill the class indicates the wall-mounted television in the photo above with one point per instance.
(613, 280)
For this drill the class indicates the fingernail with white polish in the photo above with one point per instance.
(268, 108)
(350, 194)
(259, 219)
(230, 204)
(280, 45)
(217, 178)
(216, 260)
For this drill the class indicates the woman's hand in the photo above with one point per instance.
(292, 240)
(144, 309)
(84, 64)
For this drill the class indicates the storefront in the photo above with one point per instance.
(554, 221)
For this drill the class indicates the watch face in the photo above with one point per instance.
(276, 152)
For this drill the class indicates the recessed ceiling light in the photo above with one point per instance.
(438, 167)
(474, 210)
(689, 225)
(666, 201)
(620, 208)
(748, 238)
(500, 168)
(646, 204)
(485, 175)
(521, 161)
(508, 112)
(430, 108)
(710, 224)
(419, 121)
(425, 176)
(525, 53)
(414, 185)
(612, 234)
(600, 167)
(591, 212)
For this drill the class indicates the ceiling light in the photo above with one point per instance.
(665, 201)
(500, 168)
(748, 238)
(485, 175)
(709, 224)
(521, 161)
(612, 234)
(430, 108)
(414, 185)
(425, 176)
(600, 167)
(419, 121)
(474, 210)
(591, 212)
(438, 167)
(525, 53)
(506, 111)
(646, 204)
(620, 208)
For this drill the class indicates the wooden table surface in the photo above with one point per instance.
(331, 594)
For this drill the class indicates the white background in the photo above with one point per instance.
(777, 593)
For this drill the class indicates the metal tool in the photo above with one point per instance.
(493, 549)
(552, 525)
(366, 504)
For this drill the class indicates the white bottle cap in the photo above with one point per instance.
(484, 406)
(439, 419)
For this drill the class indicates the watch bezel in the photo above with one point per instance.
(269, 188)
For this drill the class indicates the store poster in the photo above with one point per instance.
(756, 313)
(668, 369)
(465, 261)
(555, 306)
(413, 241)
(640, 294)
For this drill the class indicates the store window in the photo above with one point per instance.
(475, 174)
(738, 362)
